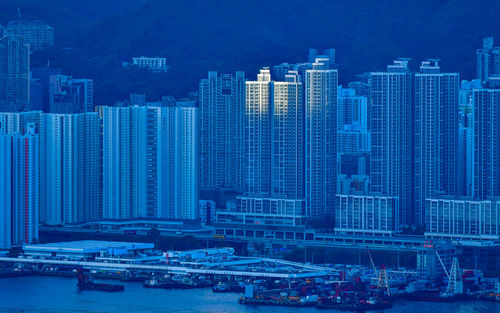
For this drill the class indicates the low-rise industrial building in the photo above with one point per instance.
(89, 249)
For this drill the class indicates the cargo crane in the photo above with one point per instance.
(455, 283)
(383, 282)
(371, 260)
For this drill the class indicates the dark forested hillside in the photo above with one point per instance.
(199, 35)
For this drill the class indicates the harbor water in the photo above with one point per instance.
(59, 294)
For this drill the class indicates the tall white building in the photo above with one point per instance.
(321, 138)
(486, 158)
(70, 154)
(19, 183)
(391, 115)
(275, 137)
(222, 116)
(436, 135)
(274, 152)
(150, 162)
(258, 111)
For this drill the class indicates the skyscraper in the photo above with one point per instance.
(19, 183)
(150, 161)
(35, 33)
(14, 74)
(274, 152)
(486, 158)
(70, 148)
(287, 138)
(70, 95)
(186, 143)
(258, 110)
(488, 60)
(222, 106)
(391, 127)
(321, 137)
(436, 135)
(353, 143)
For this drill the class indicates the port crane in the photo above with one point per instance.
(382, 282)
(455, 283)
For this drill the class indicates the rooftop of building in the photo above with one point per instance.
(87, 246)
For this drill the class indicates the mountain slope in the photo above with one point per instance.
(226, 35)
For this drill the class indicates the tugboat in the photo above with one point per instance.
(85, 283)
(228, 287)
(221, 287)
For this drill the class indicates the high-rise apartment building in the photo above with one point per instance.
(14, 74)
(70, 95)
(486, 158)
(275, 137)
(258, 111)
(488, 60)
(465, 153)
(70, 155)
(436, 135)
(288, 138)
(150, 161)
(35, 33)
(320, 137)
(353, 143)
(391, 127)
(274, 153)
(222, 116)
(19, 183)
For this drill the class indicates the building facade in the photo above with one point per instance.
(275, 153)
(37, 34)
(150, 162)
(14, 74)
(486, 159)
(222, 116)
(258, 110)
(366, 214)
(19, 182)
(436, 135)
(70, 154)
(70, 95)
(153, 63)
(463, 218)
(391, 128)
(488, 60)
(321, 84)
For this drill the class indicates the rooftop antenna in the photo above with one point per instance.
(19, 13)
